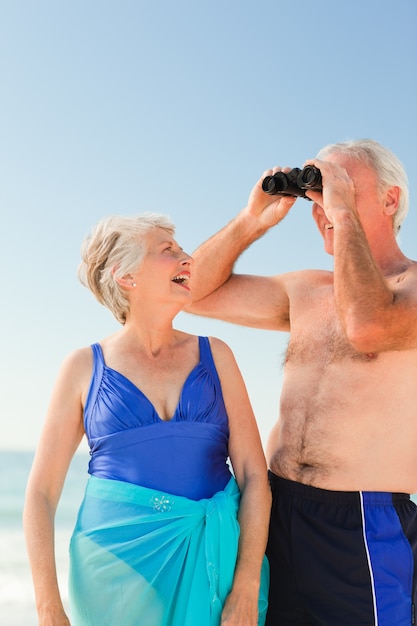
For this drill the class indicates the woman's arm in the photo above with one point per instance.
(60, 437)
(250, 470)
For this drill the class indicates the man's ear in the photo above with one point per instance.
(392, 199)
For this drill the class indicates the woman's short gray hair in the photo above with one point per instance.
(387, 166)
(114, 248)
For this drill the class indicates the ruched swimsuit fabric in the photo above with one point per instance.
(156, 537)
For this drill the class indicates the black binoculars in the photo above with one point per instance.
(293, 183)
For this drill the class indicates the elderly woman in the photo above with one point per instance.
(166, 535)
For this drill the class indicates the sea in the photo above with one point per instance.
(17, 603)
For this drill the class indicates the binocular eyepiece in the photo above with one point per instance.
(293, 183)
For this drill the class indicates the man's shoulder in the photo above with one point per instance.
(309, 277)
(404, 279)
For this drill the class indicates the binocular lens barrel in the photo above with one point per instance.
(309, 177)
(275, 184)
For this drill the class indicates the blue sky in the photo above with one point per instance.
(177, 107)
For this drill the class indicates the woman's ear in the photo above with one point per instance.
(126, 282)
(392, 199)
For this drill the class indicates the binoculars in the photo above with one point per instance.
(293, 183)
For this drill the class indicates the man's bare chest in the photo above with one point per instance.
(316, 332)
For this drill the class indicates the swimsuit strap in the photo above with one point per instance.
(98, 364)
(206, 357)
(96, 378)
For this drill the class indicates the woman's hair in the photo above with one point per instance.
(114, 248)
(388, 168)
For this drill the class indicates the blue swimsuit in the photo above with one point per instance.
(157, 530)
(129, 442)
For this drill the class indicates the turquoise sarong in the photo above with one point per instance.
(140, 557)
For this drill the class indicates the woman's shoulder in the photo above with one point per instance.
(221, 351)
(78, 361)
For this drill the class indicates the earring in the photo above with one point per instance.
(133, 284)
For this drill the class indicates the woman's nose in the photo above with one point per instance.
(187, 259)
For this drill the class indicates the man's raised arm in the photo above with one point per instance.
(216, 291)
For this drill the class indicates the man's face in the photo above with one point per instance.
(368, 200)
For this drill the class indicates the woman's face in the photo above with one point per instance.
(165, 270)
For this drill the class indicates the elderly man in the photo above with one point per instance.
(343, 453)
